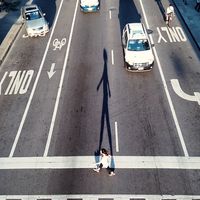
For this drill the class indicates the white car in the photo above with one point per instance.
(35, 23)
(89, 5)
(137, 49)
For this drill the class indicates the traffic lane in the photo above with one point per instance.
(36, 127)
(84, 104)
(22, 61)
(76, 123)
(144, 122)
(180, 61)
(142, 112)
(91, 106)
(140, 108)
(86, 181)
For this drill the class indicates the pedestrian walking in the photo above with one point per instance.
(197, 7)
(105, 162)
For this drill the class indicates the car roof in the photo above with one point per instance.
(136, 31)
(32, 7)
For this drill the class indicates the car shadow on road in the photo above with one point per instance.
(128, 13)
(49, 8)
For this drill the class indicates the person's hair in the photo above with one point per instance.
(104, 151)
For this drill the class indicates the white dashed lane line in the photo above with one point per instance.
(110, 14)
(116, 137)
(112, 57)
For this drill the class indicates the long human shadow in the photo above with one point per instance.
(162, 9)
(105, 119)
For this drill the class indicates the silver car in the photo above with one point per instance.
(35, 23)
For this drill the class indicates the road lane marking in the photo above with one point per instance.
(174, 34)
(84, 162)
(166, 89)
(51, 72)
(34, 85)
(2, 80)
(177, 89)
(17, 82)
(116, 137)
(110, 14)
(60, 84)
(101, 196)
(112, 57)
(59, 44)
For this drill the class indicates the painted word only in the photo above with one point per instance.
(171, 34)
(16, 82)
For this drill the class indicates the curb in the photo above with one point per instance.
(9, 39)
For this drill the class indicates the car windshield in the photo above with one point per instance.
(33, 15)
(138, 45)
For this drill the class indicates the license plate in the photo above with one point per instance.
(140, 68)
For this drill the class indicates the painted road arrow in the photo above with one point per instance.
(180, 93)
(51, 72)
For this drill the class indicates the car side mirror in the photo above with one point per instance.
(149, 31)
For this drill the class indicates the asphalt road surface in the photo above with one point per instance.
(66, 95)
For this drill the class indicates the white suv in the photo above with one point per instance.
(137, 49)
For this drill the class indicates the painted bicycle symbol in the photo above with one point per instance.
(59, 44)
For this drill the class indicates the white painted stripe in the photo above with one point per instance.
(166, 89)
(110, 14)
(112, 57)
(116, 137)
(60, 84)
(34, 85)
(101, 196)
(98, 196)
(84, 162)
(177, 89)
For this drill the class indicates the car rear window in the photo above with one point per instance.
(33, 15)
(138, 45)
(31, 8)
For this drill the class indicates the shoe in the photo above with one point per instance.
(112, 174)
(96, 170)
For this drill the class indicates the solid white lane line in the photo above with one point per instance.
(34, 85)
(166, 89)
(84, 162)
(116, 137)
(101, 196)
(112, 57)
(60, 84)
